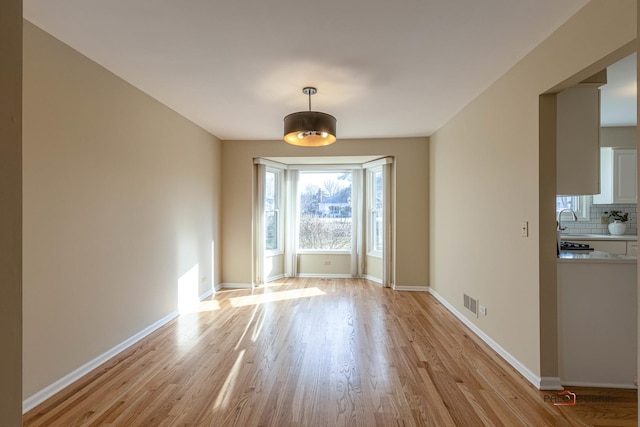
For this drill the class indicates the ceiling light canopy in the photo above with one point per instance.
(310, 128)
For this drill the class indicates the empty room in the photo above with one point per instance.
(244, 213)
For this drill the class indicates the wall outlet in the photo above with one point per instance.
(483, 310)
(524, 228)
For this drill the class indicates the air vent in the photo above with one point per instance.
(471, 304)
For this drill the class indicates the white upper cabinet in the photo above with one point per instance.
(578, 140)
(618, 176)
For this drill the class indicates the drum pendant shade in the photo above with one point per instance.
(310, 128)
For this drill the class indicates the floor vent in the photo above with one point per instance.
(471, 304)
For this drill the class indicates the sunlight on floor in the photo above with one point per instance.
(246, 328)
(227, 388)
(204, 306)
(275, 296)
(188, 329)
(209, 305)
(258, 327)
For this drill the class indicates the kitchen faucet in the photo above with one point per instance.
(573, 214)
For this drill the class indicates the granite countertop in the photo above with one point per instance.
(595, 257)
(570, 237)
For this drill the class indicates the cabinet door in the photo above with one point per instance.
(632, 248)
(625, 176)
(578, 141)
(618, 176)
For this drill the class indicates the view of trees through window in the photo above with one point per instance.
(566, 202)
(325, 210)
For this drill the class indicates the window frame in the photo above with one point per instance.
(321, 169)
(278, 210)
(583, 210)
(372, 209)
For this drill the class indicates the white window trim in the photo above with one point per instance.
(371, 171)
(279, 208)
(324, 251)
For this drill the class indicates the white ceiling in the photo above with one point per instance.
(237, 67)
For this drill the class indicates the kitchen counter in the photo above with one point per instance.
(626, 244)
(570, 237)
(597, 328)
(595, 257)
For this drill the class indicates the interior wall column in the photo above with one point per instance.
(548, 293)
(638, 151)
(258, 276)
(11, 213)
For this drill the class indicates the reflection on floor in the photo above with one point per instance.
(317, 352)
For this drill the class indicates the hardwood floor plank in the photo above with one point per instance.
(318, 352)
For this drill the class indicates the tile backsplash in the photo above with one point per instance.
(593, 226)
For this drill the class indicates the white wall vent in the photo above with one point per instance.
(471, 304)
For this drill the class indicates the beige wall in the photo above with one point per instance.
(374, 267)
(410, 195)
(121, 199)
(11, 213)
(488, 173)
(324, 264)
(273, 267)
(618, 136)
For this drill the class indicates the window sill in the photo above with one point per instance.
(323, 252)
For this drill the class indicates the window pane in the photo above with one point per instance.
(566, 202)
(272, 200)
(271, 230)
(270, 191)
(325, 210)
(376, 204)
(376, 231)
(377, 190)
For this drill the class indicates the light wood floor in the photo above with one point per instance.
(311, 352)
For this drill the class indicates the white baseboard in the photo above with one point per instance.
(373, 279)
(206, 295)
(274, 278)
(36, 399)
(550, 383)
(566, 384)
(522, 369)
(417, 288)
(326, 276)
(236, 286)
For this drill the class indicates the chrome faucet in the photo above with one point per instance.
(573, 215)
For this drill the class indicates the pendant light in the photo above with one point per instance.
(310, 128)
